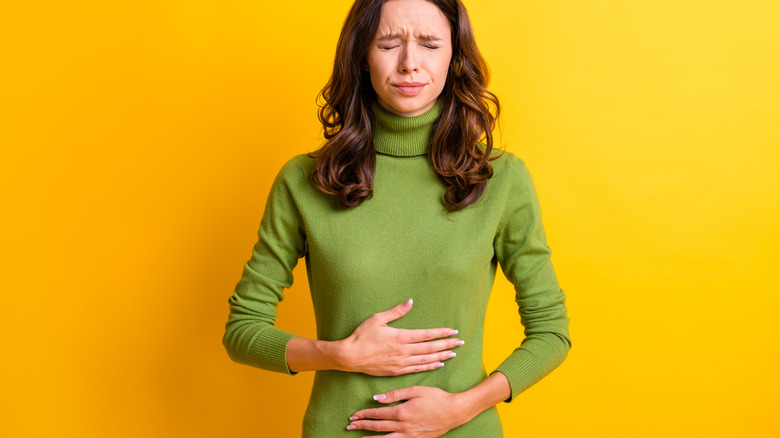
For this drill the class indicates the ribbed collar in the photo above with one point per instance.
(403, 136)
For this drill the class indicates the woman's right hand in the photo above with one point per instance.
(380, 350)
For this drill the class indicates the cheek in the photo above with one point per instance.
(371, 61)
(377, 66)
(443, 67)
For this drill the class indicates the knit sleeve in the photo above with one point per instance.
(251, 337)
(522, 252)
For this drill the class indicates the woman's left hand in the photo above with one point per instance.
(427, 413)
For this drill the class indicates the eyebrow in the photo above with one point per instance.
(424, 37)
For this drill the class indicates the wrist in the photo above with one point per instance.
(312, 355)
(468, 403)
(465, 405)
(335, 351)
(488, 393)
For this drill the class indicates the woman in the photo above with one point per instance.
(405, 199)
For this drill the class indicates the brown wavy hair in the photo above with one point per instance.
(462, 141)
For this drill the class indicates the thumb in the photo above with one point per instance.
(396, 312)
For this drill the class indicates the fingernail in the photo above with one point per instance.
(460, 342)
(451, 354)
(379, 397)
(353, 418)
(439, 365)
(453, 332)
(351, 427)
(409, 303)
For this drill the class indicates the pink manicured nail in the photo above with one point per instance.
(351, 427)
(451, 354)
(453, 332)
(439, 365)
(460, 342)
(380, 397)
(353, 418)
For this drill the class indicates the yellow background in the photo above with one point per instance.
(139, 140)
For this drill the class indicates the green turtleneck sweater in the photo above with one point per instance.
(400, 244)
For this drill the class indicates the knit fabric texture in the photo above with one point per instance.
(400, 244)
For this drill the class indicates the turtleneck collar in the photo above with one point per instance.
(403, 136)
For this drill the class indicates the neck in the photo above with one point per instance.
(403, 136)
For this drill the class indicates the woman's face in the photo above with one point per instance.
(410, 56)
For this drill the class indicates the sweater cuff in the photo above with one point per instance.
(521, 370)
(270, 347)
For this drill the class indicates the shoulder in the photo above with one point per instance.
(509, 169)
(296, 171)
(297, 166)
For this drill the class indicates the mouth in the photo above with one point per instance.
(409, 88)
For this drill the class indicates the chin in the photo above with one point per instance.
(407, 108)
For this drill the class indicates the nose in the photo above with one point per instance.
(409, 62)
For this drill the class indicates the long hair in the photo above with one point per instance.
(462, 141)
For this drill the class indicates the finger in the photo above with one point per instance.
(422, 335)
(420, 368)
(432, 347)
(384, 413)
(427, 359)
(395, 312)
(376, 425)
(397, 395)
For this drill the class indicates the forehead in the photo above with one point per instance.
(412, 17)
